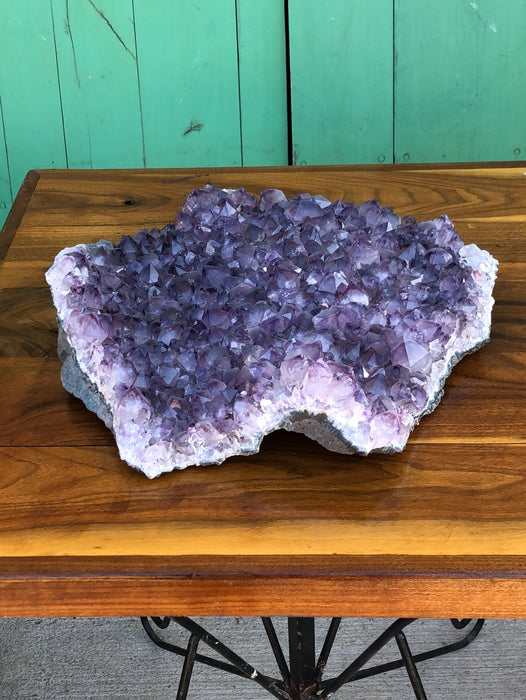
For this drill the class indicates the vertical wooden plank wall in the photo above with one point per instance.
(29, 92)
(133, 83)
(263, 82)
(341, 65)
(454, 92)
(459, 80)
(187, 53)
(98, 77)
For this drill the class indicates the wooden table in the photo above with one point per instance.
(436, 531)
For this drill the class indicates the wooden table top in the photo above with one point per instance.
(438, 530)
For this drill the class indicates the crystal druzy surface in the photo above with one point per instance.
(246, 315)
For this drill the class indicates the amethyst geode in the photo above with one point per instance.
(334, 320)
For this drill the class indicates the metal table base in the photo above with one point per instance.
(302, 677)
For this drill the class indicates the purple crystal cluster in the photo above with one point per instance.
(246, 315)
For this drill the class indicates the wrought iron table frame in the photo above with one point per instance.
(302, 677)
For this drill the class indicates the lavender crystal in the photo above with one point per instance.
(245, 315)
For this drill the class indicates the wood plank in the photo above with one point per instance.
(44, 414)
(27, 38)
(27, 323)
(300, 487)
(341, 65)
(471, 194)
(475, 202)
(40, 412)
(24, 273)
(187, 60)
(35, 253)
(98, 83)
(463, 98)
(280, 537)
(380, 586)
(36, 409)
(85, 502)
(262, 82)
(482, 566)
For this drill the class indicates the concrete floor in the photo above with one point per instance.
(109, 659)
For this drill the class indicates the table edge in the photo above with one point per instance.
(17, 212)
(336, 167)
(364, 586)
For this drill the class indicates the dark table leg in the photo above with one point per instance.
(302, 657)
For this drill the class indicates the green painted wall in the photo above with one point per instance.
(133, 83)
(408, 80)
(341, 65)
(460, 88)
(29, 92)
(97, 71)
(187, 67)
(182, 83)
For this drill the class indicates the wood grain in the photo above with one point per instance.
(346, 586)
(437, 530)
(304, 486)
